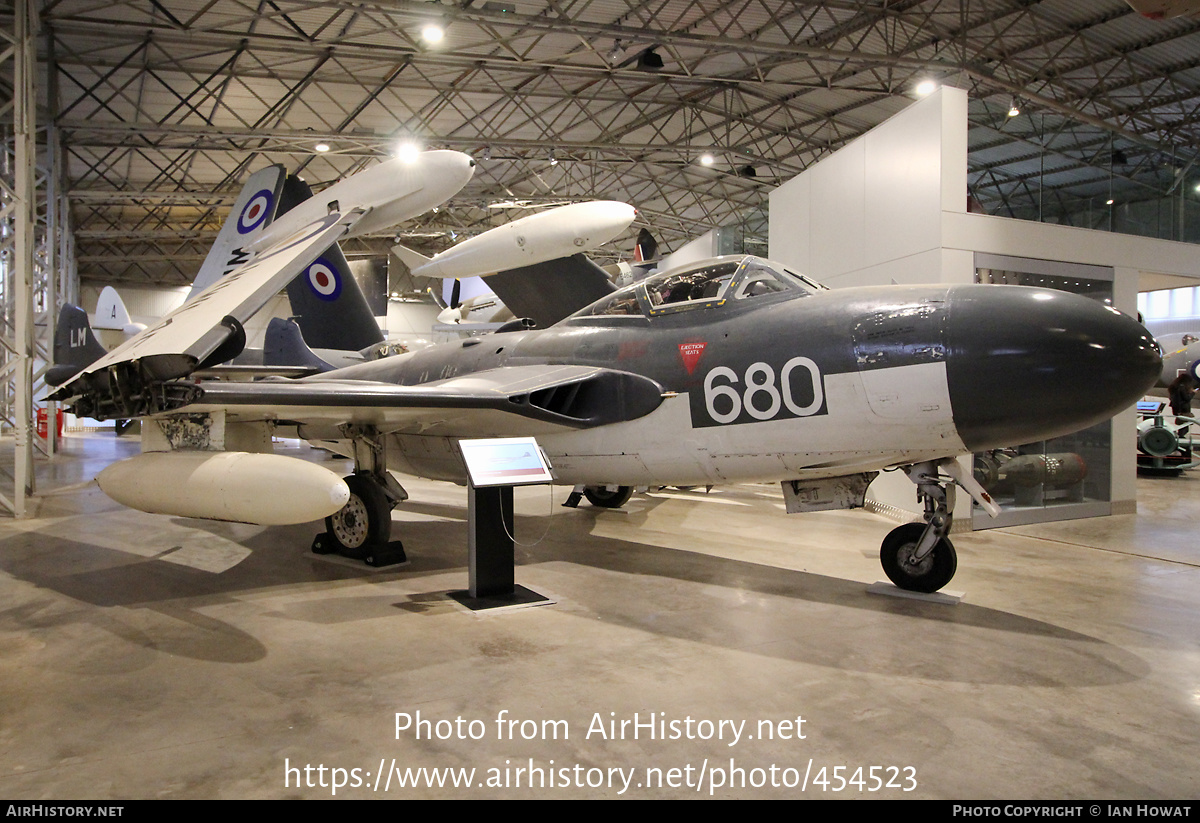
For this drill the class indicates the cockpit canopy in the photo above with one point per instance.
(712, 283)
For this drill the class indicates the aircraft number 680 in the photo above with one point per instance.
(764, 397)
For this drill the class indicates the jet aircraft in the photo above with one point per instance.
(733, 370)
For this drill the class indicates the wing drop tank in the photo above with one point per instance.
(236, 486)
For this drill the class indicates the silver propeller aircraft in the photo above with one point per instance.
(730, 371)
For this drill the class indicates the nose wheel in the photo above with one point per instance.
(919, 557)
(908, 569)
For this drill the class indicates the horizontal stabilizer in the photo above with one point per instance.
(284, 345)
(410, 258)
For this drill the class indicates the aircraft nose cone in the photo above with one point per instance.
(1028, 364)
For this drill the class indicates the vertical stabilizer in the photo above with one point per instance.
(111, 314)
(75, 346)
(327, 302)
(284, 346)
(253, 210)
(646, 248)
(110, 310)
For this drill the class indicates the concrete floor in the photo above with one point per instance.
(144, 656)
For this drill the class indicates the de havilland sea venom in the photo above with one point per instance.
(729, 371)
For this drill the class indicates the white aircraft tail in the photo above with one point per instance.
(252, 212)
(410, 258)
(112, 315)
(110, 311)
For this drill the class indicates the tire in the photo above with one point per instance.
(931, 574)
(365, 520)
(607, 498)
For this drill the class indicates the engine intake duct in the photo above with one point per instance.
(597, 399)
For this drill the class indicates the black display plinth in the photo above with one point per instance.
(490, 558)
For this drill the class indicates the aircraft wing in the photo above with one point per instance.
(201, 332)
(550, 291)
(496, 402)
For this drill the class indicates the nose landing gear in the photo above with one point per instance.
(920, 557)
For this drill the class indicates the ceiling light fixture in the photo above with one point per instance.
(321, 147)
(926, 87)
(707, 159)
(1014, 109)
(432, 33)
(408, 151)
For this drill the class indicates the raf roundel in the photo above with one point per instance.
(255, 213)
(323, 280)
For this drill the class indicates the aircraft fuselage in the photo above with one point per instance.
(792, 385)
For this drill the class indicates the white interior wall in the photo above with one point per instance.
(1173, 325)
(1140, 256)
(411, 322)
(871, 213)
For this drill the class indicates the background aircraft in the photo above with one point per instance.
(113, 318)
(1181, 353)
(333, 325)
(535, 265)
(733, 370)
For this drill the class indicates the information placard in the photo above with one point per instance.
(505, 461)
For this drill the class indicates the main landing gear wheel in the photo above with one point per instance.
(365, 521)
(926, 575)
(608, 497)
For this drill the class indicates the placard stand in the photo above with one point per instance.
(491, 561)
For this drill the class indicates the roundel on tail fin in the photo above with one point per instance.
(323, 279)
(256, 211)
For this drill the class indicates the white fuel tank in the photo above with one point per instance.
(263, 489)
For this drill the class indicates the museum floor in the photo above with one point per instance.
(144, 656)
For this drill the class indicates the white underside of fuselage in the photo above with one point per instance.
(875, 419)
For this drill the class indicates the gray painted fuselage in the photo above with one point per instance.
(804, 383)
